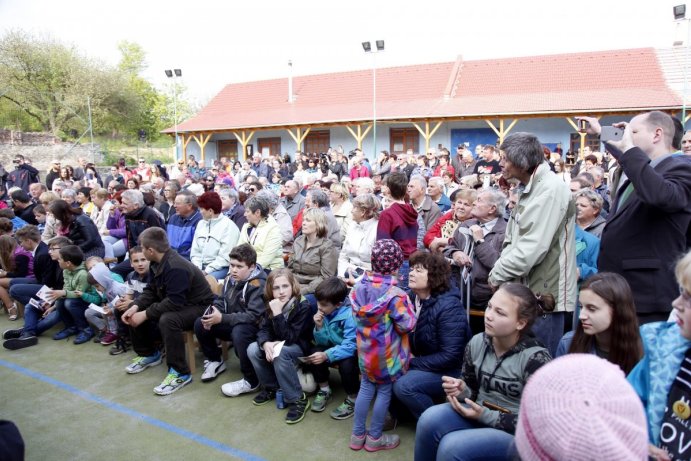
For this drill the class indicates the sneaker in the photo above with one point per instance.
(120, 347)
(265, 396)
(12, 334)
(172, 383)
(65, 333)
(320, 401)
(109, 338)
(385, 442)
(357, 442)
(344, 410)
(99, 336)
(212, 369)
(140, 364)
(297, 410)
(83, 337)
(237, 388)
(25, 340)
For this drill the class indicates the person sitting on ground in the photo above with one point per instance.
(262, 232)
(176, 296)
(106, 287)
(661, 377)
(214, 237)
(482, 410)
(383, 316)
(354, 257)
(285, 333)
(78, 228)
(41, 316)
(235, 317)
(314, 257)
(15, 262)
(439, 235)
(607, 325)
(23, 206)
(183, 223)
(440, 336)
(70, 306)
(591, 398)
(335, 345)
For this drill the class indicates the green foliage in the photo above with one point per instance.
(47, 86)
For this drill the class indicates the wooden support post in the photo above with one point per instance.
(202, 140)
(185, 141)
(582, 135)
(299, 136)
(360, 136)
(501, 132)
(426, 133)
(244, 139)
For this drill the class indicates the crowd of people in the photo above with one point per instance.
(328, 261)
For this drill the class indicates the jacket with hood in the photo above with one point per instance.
(384, 316)
(110, 281)
(338, 334)
(441, 333)
(213, 240)
(399, 223)
(75, 280)
(266, 240)
(500, 380)
(243, 301)
(294, 325)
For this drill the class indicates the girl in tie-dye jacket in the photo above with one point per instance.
(383, 317)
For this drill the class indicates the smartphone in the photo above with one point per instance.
(610, 133)
(209, 310)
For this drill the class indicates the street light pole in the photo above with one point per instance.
(367, 46)
(174, 74)
(680, 16)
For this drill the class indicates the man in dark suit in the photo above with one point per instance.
(646, 230)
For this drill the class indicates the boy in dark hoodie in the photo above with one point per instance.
(399, 222)
(235, 317)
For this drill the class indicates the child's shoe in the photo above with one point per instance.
(172, 383)
(140, 363)
(344, 410)
(357, 441)
(385, 442)
(109, 338)
(84, 336)
(65, 333)
(297, 410)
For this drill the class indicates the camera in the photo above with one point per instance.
(352, 153)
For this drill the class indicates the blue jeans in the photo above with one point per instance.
(549, 329)
(35, 323)
(418, 390)
(72, 312)
(22, 291)
(367, 393)
(219, 274)
(282, 372)
(443, 434)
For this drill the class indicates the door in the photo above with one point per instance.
(228, 148)
(269, 146)
(402, 139)
(317, 142)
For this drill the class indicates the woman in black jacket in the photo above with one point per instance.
(78, 228)
(440, 335)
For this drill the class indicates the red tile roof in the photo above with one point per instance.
(619, 80)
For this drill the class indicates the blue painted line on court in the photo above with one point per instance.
(133, 413)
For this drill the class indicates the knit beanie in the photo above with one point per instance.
(580, 406)
(387, 256)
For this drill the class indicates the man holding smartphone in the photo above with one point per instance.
(652, 200)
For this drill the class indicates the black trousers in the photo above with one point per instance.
(348, 369)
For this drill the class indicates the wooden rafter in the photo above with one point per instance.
(202, 139)
(426, 133)
(244, 139)
(359, 136)
(501, 131)
(299, 136)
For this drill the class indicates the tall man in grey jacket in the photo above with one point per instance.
(539, 248)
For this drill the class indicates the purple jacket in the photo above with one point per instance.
(116, 225)
(383, 317)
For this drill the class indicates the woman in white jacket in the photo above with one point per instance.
(356, 254)
(214, 237)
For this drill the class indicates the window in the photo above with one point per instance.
(272, 145)
(228, 148)
(402, 139)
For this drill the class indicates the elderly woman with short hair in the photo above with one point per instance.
(341, 207)
(314, 256)
(262, 232)
(356, 254)
(214, 237)
(588, 208)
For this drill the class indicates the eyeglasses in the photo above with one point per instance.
(54, 248)
(142, 161)
(166, 190)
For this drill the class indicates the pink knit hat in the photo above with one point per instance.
(581, 407)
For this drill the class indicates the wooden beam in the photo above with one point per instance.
(501, 132)
(360, 136)
(244, 139)
(299, 136)
(185, 141)
(426, 133)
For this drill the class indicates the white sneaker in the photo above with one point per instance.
(212, 369)
(238, 387)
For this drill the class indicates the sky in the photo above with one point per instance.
(217, 42)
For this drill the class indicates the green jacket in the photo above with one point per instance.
(539, 247)
(75, 281)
